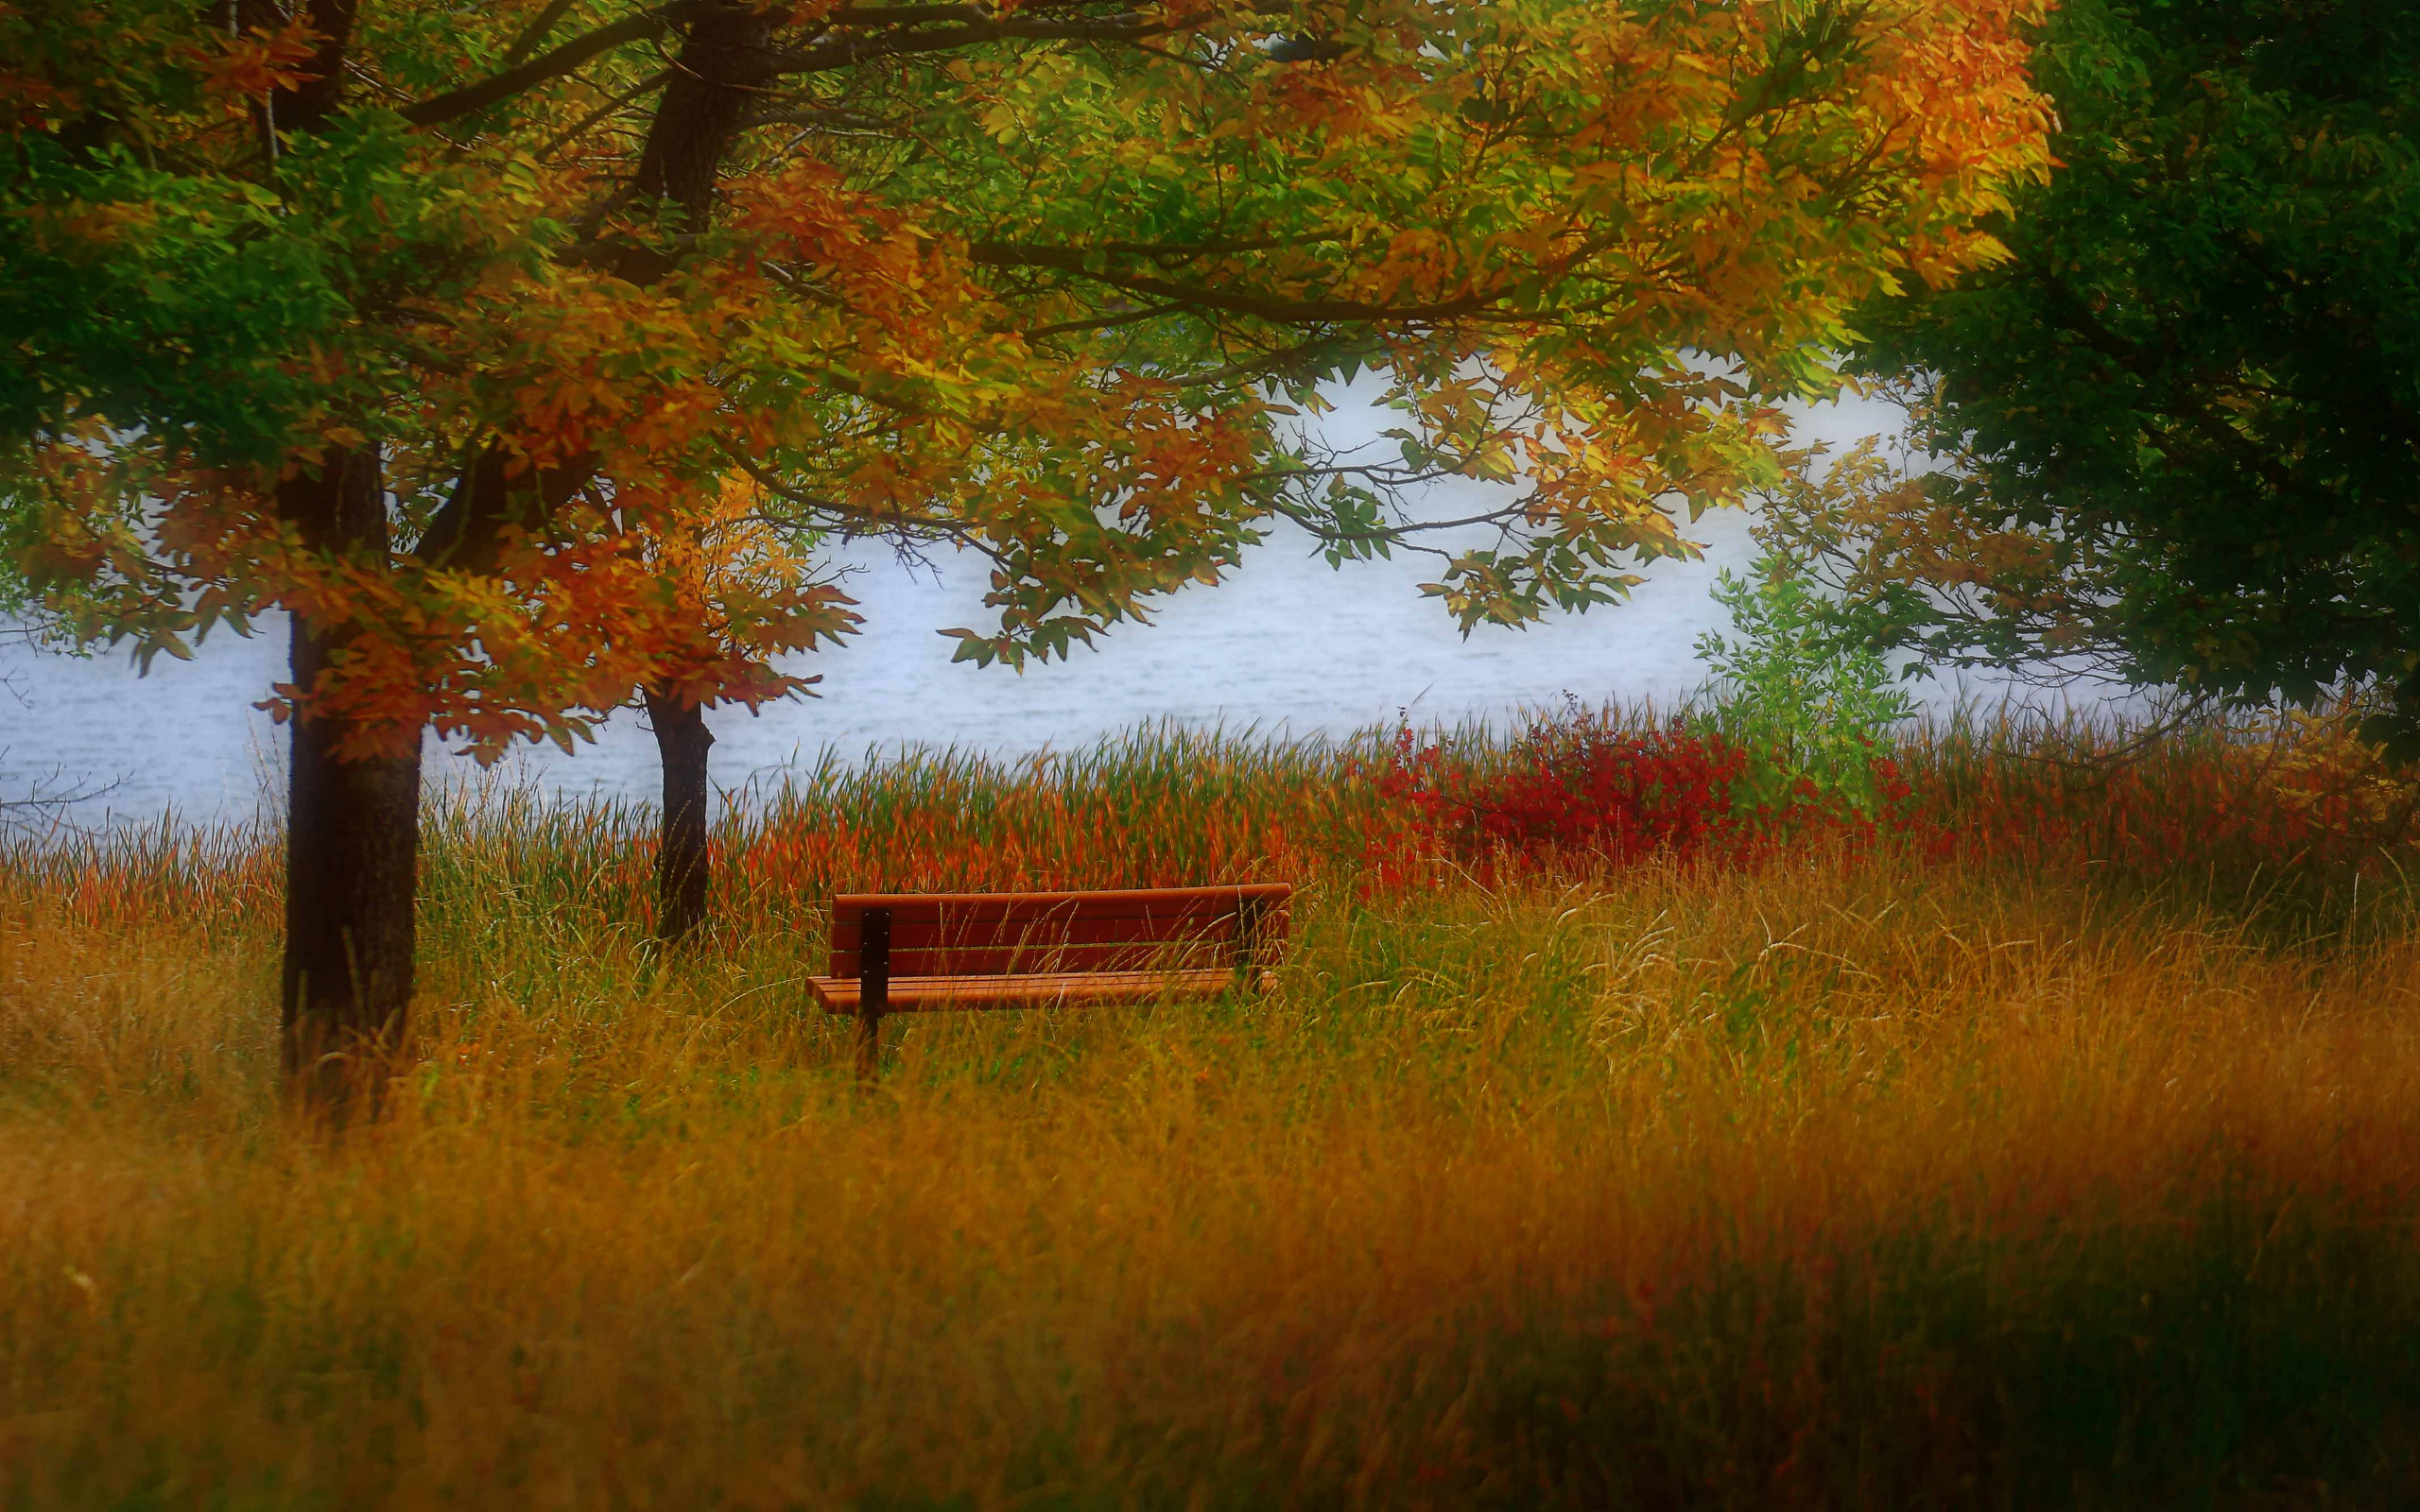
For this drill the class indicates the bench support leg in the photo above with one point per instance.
(1247, 945)
(868, 1047)
(874, 990)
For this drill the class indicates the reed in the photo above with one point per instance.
(1861, 1174)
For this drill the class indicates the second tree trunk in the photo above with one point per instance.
(682, 872)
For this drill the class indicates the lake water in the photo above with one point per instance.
(1287, 647)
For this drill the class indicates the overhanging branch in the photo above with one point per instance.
(1079, 260)
(503, 86)
(908, 40)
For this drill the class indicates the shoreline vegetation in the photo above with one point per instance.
(2053, 1143)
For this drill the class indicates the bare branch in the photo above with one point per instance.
(45, 805)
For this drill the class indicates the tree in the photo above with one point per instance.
(2178, 426)
(1237, 293)
(522, 353)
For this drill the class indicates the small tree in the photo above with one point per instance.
(1800, 690)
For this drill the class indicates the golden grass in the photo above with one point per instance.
(1895, 1182)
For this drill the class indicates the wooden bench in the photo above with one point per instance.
(926, 953)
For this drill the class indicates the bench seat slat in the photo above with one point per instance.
(1003, 960)
(1101, 904)
(930, 994)
(988, 957)
(1044, 915)
(960, 934)
(1086, 929)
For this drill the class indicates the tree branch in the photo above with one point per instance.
(536, 33)
(905, 42)
(898, 528)
(1106, 322)
(1283, 312)
(468, 529)
(573, 133)
(562, 60)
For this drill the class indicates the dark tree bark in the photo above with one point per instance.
(682, 871)
(353, 842)
(724, 61)
(724, 58)
(305, 104)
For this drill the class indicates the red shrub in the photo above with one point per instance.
(1584, 788)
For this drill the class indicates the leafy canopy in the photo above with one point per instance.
(628, 308)
(2179, 424)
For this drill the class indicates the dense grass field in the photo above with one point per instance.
(2058, 1145)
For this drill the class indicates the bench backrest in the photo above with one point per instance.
(1004, 933)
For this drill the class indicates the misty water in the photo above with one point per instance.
(1285, 648)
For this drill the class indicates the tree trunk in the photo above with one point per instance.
(353, 844)
(722, 72)
(682, 870)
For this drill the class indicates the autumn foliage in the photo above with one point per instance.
(1075, 341)
(1586, 791)
(530, 357)
(2284, 794)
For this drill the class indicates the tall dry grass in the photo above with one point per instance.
(1901, 1178)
